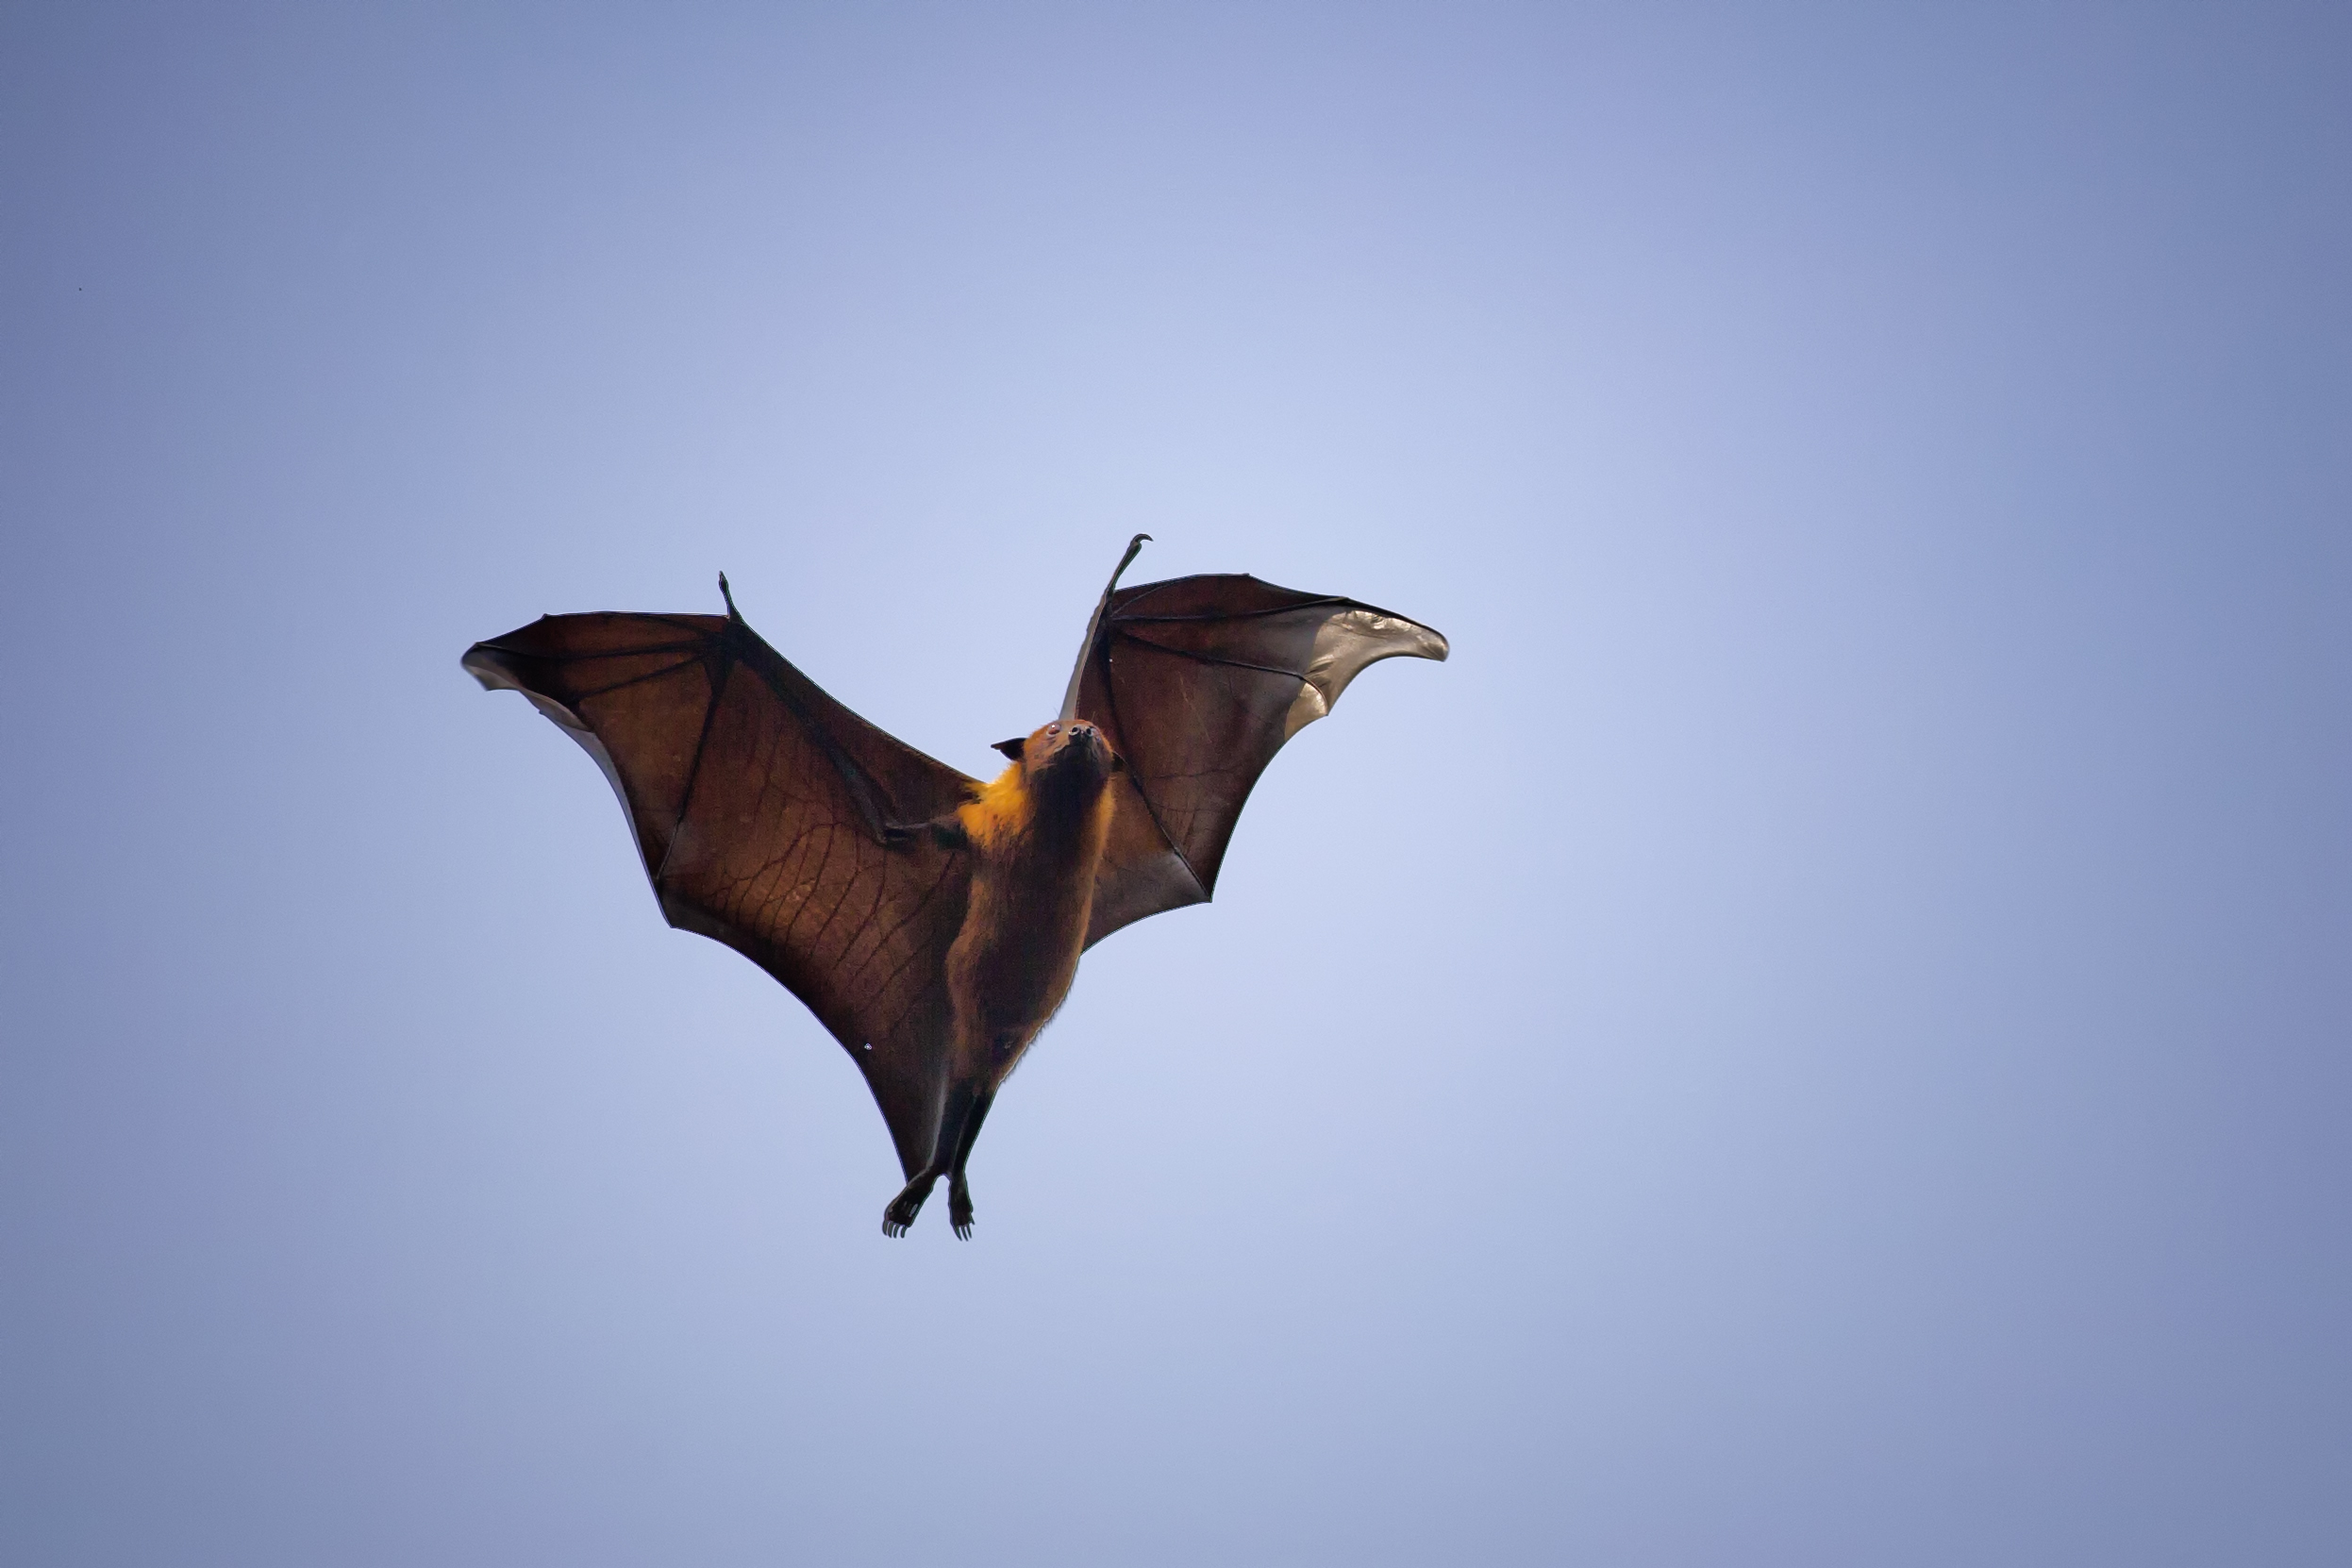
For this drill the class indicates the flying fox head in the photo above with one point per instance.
(1063, 748)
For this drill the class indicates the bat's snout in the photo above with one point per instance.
(1089, 742)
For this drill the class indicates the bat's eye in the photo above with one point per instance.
(1053, 729)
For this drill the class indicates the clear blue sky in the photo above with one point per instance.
(1820, 1037)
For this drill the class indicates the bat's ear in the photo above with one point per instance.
(1012, 748)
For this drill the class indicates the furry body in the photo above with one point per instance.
(1036, 835)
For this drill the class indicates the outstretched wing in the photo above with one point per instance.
(765, 813)
(1198, 681)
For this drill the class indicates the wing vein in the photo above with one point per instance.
(694, 769)
(1248, 614)
(1213, 658)
(1135, 779)
(693, 646)
(632, 680)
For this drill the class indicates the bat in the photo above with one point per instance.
(933, 923)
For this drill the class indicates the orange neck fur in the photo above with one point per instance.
(1000, 812)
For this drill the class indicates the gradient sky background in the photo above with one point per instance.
(1818, 1038)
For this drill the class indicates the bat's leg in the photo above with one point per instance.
(908, 1203)
(958, 1190)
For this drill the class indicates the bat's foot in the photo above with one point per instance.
(960, 1207)
(907, 1205)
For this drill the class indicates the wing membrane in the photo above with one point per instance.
(763, 813)
(1198, 681)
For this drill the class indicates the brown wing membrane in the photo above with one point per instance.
(764, 812)
(1198, 681)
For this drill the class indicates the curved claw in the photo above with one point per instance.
(902, 1210)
